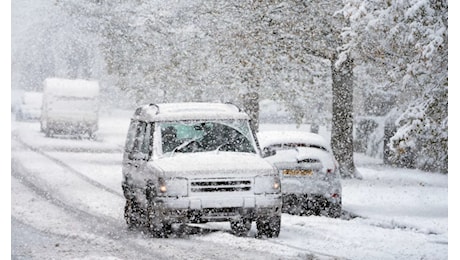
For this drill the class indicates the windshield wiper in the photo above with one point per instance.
(222, 145)
(182, 146)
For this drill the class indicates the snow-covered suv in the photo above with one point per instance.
(198, 162)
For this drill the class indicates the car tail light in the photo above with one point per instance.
(332, 170)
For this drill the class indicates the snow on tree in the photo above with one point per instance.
(198, 50)
(407, 39)
(293, 51)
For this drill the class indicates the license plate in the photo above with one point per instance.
(297, 172)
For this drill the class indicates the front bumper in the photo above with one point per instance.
(219, 209)
(316, 186)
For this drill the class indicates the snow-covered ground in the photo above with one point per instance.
(66, 203)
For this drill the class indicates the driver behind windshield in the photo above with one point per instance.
(169, 138)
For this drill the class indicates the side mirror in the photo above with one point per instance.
(137, 156)
(267, 152)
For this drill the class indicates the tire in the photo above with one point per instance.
(269, 226)
(49, 133)
(91, 135)
(290, 204)
(318, 206)
(42, 126)
(158, 226)
(135, 216)
(335, 210)
(241, 226)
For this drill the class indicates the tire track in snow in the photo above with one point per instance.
(310, 253)
(97, 225)
(21, 174)
(30, 242)
(70, 169)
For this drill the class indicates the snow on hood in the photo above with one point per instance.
(212, 162)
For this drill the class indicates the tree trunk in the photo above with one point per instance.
(342, 116)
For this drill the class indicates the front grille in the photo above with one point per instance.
(220, 185)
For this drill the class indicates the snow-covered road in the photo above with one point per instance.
(67, 203)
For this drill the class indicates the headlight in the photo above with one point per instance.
(267, 184)
(175, 187)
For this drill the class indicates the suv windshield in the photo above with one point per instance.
(205, 136)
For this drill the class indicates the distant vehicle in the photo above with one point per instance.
(197, 162)
(310, 181)
(30, 106)
(70, 106)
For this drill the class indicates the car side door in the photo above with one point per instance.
(138, 150)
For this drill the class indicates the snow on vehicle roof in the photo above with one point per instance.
(271, 137)
(189, 111)
(71, 87)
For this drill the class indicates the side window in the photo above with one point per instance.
(129, 145)
(140, 140)
(146, 144)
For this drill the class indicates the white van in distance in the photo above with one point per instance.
(70, 106)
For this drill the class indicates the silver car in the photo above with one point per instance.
(310, 181)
